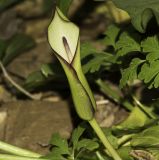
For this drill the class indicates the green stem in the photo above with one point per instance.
(105, 88)
(17, 151)
(125, 139)
(12, 157)
(99, 155)
(144, 109)
(104, 139)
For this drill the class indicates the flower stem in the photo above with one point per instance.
(13, 157)
(17, 151)
(104, 139)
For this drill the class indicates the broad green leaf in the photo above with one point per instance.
(87, 144)
(128, 43)
(64, 5)
(112, 34)
(147, 138)
(59, 142)
(131, 73)
(140, 11)
(76, 135)
(18, 44)
(135, 121)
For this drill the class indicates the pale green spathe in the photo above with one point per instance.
(64, 39)
(59, 29)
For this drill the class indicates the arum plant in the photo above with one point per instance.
(64, 39)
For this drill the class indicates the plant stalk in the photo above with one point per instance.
(17, 86)
(104, 139)
(13, 157)
(17, 151)
(105, 88)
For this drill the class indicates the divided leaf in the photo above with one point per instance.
(86, 49)
(151, 47)
(93, 60)
(127, 44)
(150, 73)
(76, 135)
(111, 33)
(99, 61)
(129, 74)
(61, 143)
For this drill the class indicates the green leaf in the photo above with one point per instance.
(150, 74)
(34, 80)
(98, 61)
(140, 11)
(111, 33)
(87, 49)
(93, 60)
(135, 121)
(151, 47)
(131, 73)
(124, 152)
(148, 138)
(55, 154)
(49, 72)
(64, 5)
(87, 144)
(127, 43)
(52, 69)
(18, 44)
(76, 135)
(59, 142)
